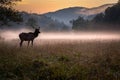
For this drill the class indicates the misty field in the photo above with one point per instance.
(60, 60)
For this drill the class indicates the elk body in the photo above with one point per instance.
(28, 37)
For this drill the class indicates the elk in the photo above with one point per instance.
(28, 37)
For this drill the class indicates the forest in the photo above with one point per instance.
(110, 18)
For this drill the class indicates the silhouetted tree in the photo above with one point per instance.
(118, 1)
(112, 14)
(8, 2)
(7, 13)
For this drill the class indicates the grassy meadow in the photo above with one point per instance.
(60, 60)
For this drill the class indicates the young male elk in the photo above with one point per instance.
(28, 36)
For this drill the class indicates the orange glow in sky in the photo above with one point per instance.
(43, 6)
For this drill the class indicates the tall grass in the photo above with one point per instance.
(52, 60)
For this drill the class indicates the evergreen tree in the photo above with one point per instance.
(79, 23)
(112, 14)
(99, 18)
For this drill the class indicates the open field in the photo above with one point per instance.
(60, 60)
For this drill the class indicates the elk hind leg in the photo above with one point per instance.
(32, 42)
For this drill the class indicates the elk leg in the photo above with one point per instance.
(32, 42)
(28, 43)
(21, 43)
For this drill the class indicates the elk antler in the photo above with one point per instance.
(39, 27)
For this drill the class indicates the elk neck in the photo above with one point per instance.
(36, 34)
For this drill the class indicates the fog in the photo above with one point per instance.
(14, 34)
(81, 36)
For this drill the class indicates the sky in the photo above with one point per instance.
(44, 6)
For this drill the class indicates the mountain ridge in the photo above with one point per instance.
(67, 14)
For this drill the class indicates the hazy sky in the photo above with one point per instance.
(43, 6)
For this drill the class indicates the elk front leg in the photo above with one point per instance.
(28, 43)
(21, 43)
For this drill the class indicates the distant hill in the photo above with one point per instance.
(58, 20)
(46, 23)
(68, 14)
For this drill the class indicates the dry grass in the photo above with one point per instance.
(60, 60)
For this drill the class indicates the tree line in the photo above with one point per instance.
(110, 16)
